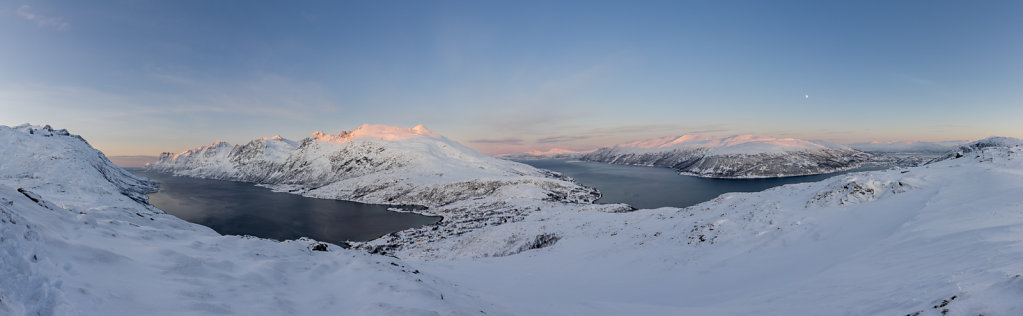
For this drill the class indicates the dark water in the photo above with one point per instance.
(241, 208)
(651, 187)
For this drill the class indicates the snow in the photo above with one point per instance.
(77, 238)
(556, 151)
(734, 157)
(939, 239)
(731, 145)
(908, 147)
(371, 164)
(884, 242)
(553, 153)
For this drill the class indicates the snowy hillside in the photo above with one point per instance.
(373, 164)
(977, 148)
(941, 239)
(77, 238)
(742, 156)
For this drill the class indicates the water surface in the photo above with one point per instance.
(651, 187)
(241, 208)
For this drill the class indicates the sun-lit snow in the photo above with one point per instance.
(77, 238)
(941, 239)
(372, 164)
(555, 151)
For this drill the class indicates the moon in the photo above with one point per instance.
(806, 96)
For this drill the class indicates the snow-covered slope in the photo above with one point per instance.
(940, 239)
(977, 147)
(373, 164)
(77, 238)
(742, 156)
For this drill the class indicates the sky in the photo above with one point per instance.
(144, 77)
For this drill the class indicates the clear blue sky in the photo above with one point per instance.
(141, 77)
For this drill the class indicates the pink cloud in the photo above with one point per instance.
(25, 11)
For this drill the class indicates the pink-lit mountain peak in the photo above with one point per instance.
(374, 131)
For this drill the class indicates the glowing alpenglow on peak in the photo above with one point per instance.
(382, 132)
(275, 137)
(385, 132)
(555, 151)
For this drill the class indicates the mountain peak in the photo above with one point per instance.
(275, 137)
(997, 141)
(554, 151)
(382, 132)
(385, 132)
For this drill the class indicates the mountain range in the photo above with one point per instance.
(372, 164)
(740, 156)
(77, 236)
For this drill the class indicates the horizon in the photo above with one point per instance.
(719, 135)
(506, 78)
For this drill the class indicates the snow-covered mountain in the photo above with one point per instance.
(940, 239)
(908, 147)
(373, 164)
(977, 148)
(78, 238)
(741, 156)
(553, 153)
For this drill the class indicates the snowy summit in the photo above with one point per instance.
(78, 237)
(372, 164)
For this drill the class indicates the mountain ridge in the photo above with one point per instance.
(737, 157)
(372, 164)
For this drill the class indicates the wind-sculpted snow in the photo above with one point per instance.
(78, 238)
(372, 164)
(853, 189)
(743, 156)
(940, 239)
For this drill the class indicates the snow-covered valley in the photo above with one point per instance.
(77, 237)
(934, 240)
